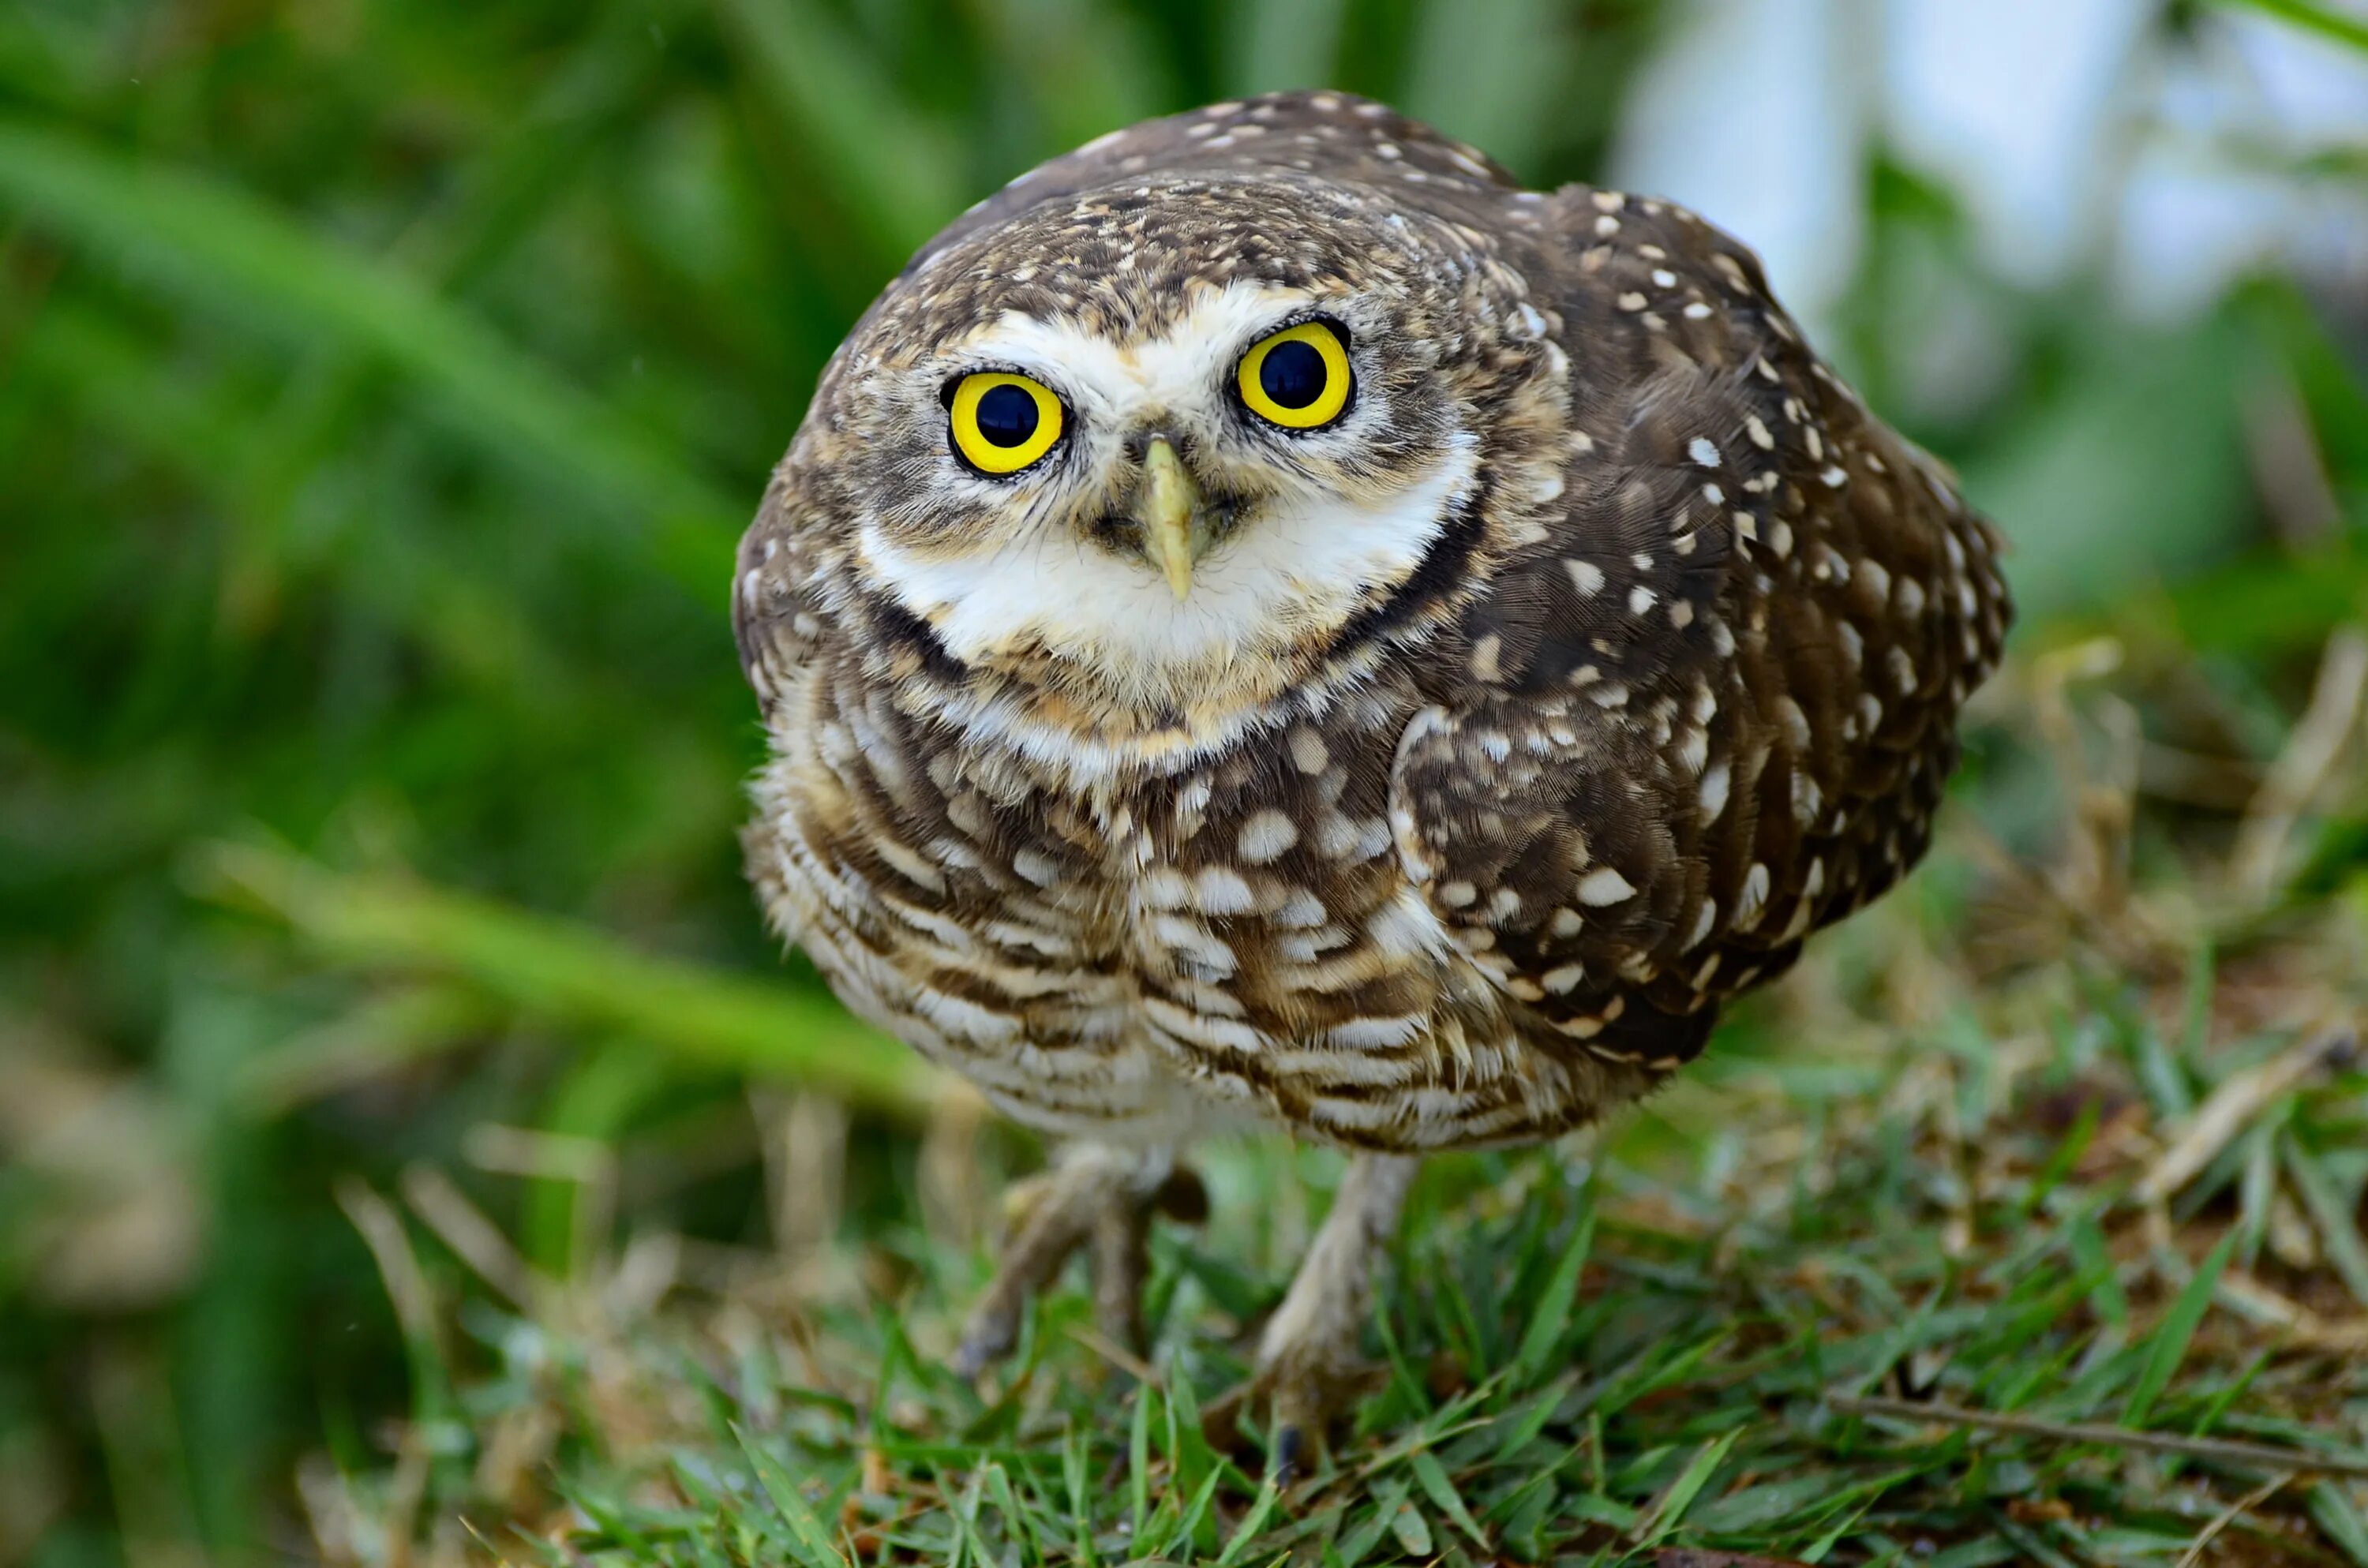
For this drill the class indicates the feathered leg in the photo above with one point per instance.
(1309, 1368)
(1094, 1196)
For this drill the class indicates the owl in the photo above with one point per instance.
(1268, 622)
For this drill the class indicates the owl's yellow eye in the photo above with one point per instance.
(1298, 379)
(1002, 422)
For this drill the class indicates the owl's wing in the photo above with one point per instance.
(1713, 707)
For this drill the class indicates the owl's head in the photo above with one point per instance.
(1141, 458)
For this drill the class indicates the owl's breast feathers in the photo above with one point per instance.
(1680, 691)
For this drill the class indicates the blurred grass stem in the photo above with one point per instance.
(564, 973)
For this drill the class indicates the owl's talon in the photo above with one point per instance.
(1303, 1400)
(1099, 1198)
(986, 1340)
(1288, 1444)
(1182, 1197)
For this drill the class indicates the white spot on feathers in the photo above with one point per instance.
(1220, 890)
(1754, 897)
(1485, 655)
(1267, 835)
(1036, 866)
(1714, 793)
(1603, 887)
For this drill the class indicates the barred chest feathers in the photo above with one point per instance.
(1240, 939)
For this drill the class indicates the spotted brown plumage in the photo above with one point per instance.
(1600, 648)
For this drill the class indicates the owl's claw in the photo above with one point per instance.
(1098, 1198)
(1303, 1397)
(1288, 1443)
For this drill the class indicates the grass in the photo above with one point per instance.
(405, 1121)
(2025, 1226)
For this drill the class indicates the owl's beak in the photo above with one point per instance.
(1167, 509)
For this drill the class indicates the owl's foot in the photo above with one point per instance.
(1309, 1372)
(1095, 1197)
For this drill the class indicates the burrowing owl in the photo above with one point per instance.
(1268, 621)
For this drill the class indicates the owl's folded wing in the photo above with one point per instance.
(1712, 707)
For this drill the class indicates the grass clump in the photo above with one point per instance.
(2041, 1243)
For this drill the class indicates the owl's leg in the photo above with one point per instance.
(1094, 1196)
(1309, 1370)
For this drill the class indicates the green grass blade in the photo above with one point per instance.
(2059, 1164)
(2333, 1511)
(967, 1540)
(1382, 1506)
(1073, 1472)
(559, 969)
(2338, 1232)
(1021, 1523)
(1433, 1477)
(2310, 16)
(809, 1539)
(2168, 1345)
(1671, 1511)
(1412, 1530)
(1551, 1318)
(1138, 1460)
(1261, 1506)
(1188, 1525)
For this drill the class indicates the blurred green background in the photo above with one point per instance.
(383, 384)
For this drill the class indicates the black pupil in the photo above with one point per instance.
(1292, 373)
(1006, 415)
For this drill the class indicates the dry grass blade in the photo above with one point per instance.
(415, 1308)
(805, 1145)
(331, 1517)
(2233, 1106)
(2092, 879)
(2229, 1516)
(2303, 768)
(463, 1226)
(2258, 1456)
(398, 1265)
(1117, 1354)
